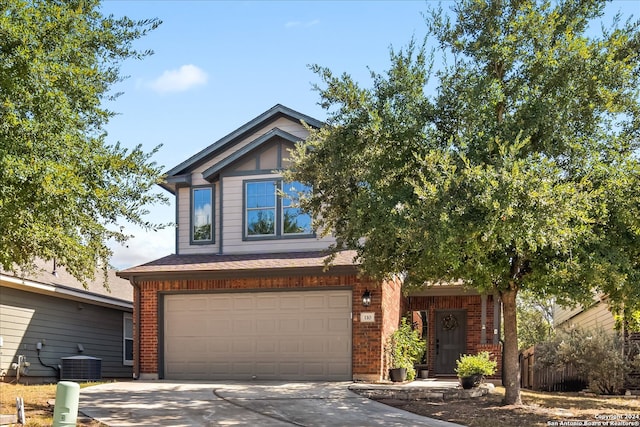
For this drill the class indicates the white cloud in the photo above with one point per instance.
(180, 80)
(301, 24)
(147, 246)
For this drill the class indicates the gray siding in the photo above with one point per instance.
(27, 318)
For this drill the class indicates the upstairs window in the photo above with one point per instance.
(269, 216)
(261, 208)
(202, 215)
(294, 221)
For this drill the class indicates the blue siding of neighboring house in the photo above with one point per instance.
(27, 318)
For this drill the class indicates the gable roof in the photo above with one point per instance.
(63, 285)
(178, 174)
(214, 170)
(244, 265)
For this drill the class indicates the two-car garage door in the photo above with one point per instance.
(297, 335)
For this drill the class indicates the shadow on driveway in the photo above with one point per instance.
(165, 403)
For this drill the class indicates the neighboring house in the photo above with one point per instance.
(247, 294)
(52, 310)
(595, 316)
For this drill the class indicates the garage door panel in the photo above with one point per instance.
(287, 348)
(266, 348)
(314, 325)
(290, 368)
(214, 326)
(289, 326)
(314, 369)
(339, 325)
(241, 327)
(317, 302)
(242, 368)
(218, 346)
(267, 368)
(189, 325)
(338, 347)
(267, 302)
(266, 326)
(339, 301)
(313, 346)
(243, 302)
(219, 305)
(291, 302)
(298, 335)
(337, 370)
(184, 303)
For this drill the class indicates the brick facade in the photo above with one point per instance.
(367, 338)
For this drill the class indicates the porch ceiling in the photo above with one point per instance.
(444, 290)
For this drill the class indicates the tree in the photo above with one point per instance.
(535, 320)
(520, 173)
(64, 191)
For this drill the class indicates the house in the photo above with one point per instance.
(597, 315)
(47, 317)
(247, 294)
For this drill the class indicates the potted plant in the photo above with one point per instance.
(406, 348)
(471, 369)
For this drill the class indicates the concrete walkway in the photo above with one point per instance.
(166, 403)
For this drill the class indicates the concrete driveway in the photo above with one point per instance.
(165, 403)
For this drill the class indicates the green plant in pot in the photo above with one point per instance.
(472, 368)
(406, 348)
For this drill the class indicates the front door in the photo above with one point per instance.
(451, 334)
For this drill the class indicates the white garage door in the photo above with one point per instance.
(301, 335)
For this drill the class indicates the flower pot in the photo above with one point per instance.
(398, 375)
(471, 381)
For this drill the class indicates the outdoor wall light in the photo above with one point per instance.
(366, 298)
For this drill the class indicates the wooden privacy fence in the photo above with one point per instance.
(547, 378)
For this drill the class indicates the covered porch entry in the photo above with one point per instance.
(455, 321)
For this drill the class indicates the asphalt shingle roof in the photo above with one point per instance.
(239, 263)
(43, 273)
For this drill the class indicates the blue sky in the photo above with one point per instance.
(218, 64)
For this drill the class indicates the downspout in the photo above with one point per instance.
(136, 326)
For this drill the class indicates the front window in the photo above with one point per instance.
(270, 215)
(127, 338)
(202, 220)
(294, 221)
(261, 208)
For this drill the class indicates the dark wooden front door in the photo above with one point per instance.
(451, 337)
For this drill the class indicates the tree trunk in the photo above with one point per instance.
(511, 362)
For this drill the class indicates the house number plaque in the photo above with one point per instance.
(367, 317)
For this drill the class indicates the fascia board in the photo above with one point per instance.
(256, 122)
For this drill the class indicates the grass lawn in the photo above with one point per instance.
(38, 413)
(539, 409)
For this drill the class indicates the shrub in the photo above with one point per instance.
(597, 355)
(478, 364)
(406, 348)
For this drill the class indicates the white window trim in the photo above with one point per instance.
(126, 316)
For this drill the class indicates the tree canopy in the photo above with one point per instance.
(520, 172)
(64, 191)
